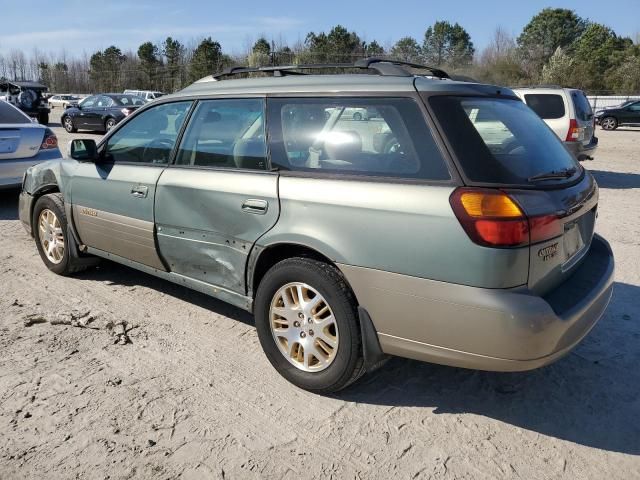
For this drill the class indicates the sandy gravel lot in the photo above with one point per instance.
(192, 395)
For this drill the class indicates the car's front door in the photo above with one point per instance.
(113, 199)
(633, 114)
(83, 116)
(219, 196)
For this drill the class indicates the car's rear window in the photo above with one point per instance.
(9, 114)
(499, 140)
(547, 106)
(582, 106)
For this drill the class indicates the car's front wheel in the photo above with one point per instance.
(57, 250)
(609, 123)
(306, 317)
(109, 124)
(67, 123)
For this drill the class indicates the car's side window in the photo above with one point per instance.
(635, 107)
(149, 137)
(104, 101)
(225, 134)
(88, 102)
(359, 136)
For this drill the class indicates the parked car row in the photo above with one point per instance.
(455, 229)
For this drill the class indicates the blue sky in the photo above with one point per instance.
(88, 25)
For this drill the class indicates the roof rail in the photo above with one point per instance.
(378, 66)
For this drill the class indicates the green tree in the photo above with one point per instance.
(374, 49)
(148, 54)
(104, 69)
(596, 51)
(545, 33)
(207, 59)
(407, 50)
(339, 45)
(260, 53)
(625, 77)
(173, 52)
(447, 44)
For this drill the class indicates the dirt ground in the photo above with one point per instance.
(192, 395)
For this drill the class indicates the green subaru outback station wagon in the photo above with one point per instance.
(446, 224)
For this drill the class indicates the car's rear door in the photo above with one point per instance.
(219, 196)
(113, 199)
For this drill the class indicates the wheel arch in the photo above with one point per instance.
(262, 259)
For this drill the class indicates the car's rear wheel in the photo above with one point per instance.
(57, 250)
(67, 123)
(357, 116)
(109, 124)
(307, 325)
(609, 123)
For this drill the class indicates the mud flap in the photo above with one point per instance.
(373, 355)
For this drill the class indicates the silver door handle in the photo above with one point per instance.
(139, 191)
(252, 205)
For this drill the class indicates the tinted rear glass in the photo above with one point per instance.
(547, 106)
(500, 141)
(8, 114)
(582, 106)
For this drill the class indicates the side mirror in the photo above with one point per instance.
(83, 149)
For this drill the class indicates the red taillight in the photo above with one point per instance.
(493, 219)
(574, 133)
(49, 141)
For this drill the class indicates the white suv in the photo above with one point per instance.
(568, 112)
(147, 95)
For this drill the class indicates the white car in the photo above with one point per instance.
(62, 101)
(568, 113)
(23, 143)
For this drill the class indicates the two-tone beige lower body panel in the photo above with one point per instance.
(126, 237)
(485, 329)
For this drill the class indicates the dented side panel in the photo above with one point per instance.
(203, 231)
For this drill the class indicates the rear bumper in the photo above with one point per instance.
(485, 329)
(25, 204)
(12, 171)
(582, 151)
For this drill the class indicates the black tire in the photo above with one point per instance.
(71, 261)
(43, 119)
(348, 364)
(109, 124)
(67, 123)
(609, 123)
(357, 116)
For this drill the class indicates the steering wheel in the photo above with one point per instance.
(153, 149)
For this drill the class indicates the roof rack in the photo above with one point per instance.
(380, 66)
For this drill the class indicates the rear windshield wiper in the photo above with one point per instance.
(553, 174)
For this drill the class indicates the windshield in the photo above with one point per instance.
(11, 115)
(501, 141)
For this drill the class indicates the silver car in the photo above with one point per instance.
(23, 143)
(455, 228)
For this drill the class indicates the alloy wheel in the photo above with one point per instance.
(51, 236)
(68, 124)
(303, 327)
(608, 123)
